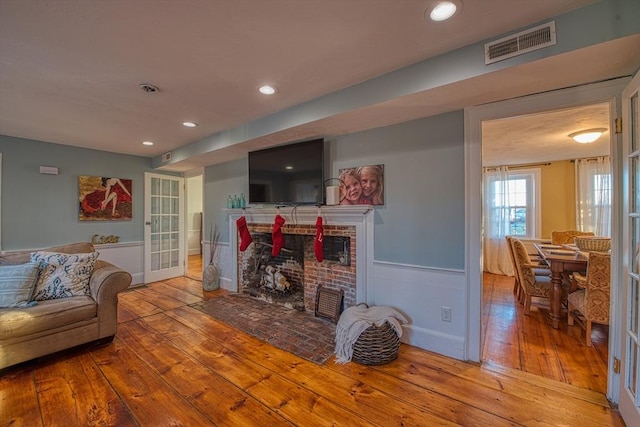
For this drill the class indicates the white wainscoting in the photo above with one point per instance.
(419, 293)
(128, 256)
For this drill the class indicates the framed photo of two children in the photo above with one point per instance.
(362, 185)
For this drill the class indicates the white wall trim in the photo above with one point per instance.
(420, 293)
(129, 256)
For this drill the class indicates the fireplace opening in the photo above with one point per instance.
(281, 279)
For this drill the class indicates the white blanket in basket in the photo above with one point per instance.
(355, 320)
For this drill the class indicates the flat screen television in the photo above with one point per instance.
(290, 174)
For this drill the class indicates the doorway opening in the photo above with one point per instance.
(537, 146)
(195, 226)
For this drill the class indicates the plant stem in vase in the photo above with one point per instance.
(211, 272)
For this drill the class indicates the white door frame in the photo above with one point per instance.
(626, 404)
(610, 92)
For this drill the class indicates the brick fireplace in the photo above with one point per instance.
(348, 254)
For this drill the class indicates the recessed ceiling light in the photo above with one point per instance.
(147, 143)
(267, 90)
(189, 124)
(443, 10)
(288, 168)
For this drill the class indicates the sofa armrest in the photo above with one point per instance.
(107, 281)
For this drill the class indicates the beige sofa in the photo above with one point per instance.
(54, 325)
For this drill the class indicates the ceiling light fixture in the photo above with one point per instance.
(189, 124)
(588, 135)
(443, 10)
(267, 90)
(147, 143)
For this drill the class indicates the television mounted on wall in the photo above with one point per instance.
(291, 174)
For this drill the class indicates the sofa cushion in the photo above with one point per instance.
(47, 315)
(63, 275)
(17, 283)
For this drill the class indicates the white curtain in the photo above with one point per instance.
(496, 222)
(593, 195)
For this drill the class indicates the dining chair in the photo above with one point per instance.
(531, 285)
(539, 270)
(590, 302)
(567, 236)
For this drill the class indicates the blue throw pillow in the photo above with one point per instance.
(17, 283)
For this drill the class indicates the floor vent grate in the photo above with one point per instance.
(517, 44)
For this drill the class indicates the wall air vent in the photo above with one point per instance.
(520, 43)
(166, 157)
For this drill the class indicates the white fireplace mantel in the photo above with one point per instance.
(359, 216)
(331, 215)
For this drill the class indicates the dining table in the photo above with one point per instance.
(562, 260)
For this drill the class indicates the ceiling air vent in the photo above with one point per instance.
(166, 157)
(520, 43)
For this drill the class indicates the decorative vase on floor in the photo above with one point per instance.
(211, 277)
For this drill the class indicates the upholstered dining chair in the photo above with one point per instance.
(567, 236)
(590, 302)
(539, 269)
(531, 285)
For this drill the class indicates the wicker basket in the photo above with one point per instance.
(377, 345)
(597, 244)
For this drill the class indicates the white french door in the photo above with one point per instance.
(164, 227)
(629, 394)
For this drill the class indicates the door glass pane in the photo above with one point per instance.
(165, 242)
(174, 223)
(174, 240)
(155, 243)
(165, 263)
(633, 309)
(632, 366)
(635, 125)
(174, 258)
(155, 205)
(166, 187)
(634, 245)
(175, 188)
(166, 205)
(155, 186)
(155, 261)
(175, 206)
(635, 185)
(165, 224)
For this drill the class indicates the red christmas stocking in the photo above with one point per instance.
(245, 236)
(317, 242)
(276, 236)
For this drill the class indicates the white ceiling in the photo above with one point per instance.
(70, 69)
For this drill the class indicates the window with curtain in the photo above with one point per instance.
(511, 208)
(593, 195)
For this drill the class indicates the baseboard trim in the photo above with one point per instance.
(438, 342)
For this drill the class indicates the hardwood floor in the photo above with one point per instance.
(529, 344)
(173, 365)
(194, 267)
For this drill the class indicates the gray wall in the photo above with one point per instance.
(422, 221)
(42, 210)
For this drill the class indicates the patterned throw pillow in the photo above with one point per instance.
(16, 284)
(62, 275)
